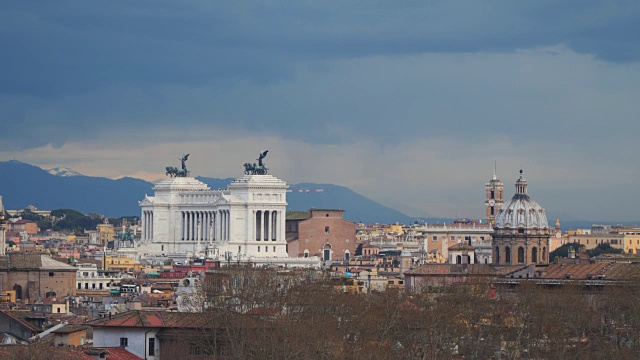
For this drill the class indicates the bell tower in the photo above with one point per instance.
(494, 198)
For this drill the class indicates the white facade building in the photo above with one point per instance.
(441, 237)
(244, 223)
(89, 278)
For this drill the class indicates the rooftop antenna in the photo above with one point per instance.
(495, 166)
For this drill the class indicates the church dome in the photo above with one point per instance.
(521, 212)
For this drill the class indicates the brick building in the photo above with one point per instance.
(320, 232)
(34, 276)
(27, 226)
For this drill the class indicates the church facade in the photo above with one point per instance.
(521, 231)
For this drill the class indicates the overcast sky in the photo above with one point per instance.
(409, 103)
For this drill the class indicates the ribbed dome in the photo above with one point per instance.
(521, 212)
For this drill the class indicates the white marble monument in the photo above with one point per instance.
(244, 223)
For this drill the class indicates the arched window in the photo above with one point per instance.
(520, 255)
(458, 259)
(544, 255)
(347, 255)
(18, 289)
(534, 255)
(507, 255)
(497, 255)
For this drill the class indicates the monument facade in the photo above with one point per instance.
(244, 223)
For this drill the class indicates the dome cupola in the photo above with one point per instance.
(521, 212)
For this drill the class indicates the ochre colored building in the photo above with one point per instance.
(320, 232)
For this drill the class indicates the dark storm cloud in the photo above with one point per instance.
(55, 47)
(74, 69)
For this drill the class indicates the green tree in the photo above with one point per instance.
(603, 249)
(563, 251)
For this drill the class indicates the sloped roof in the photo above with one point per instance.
(70, 328)
(42, 350)
(610, 271)
(153, 319)
(33, 262)
(298, 215)
(113, 353)
(18, 315)
(466, 269)
(461, 247)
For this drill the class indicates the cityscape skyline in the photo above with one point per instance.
(408, 105)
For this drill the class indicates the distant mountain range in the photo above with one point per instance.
(23, 184)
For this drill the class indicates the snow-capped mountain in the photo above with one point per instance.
(64, 172)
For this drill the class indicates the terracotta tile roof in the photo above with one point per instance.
(42, 350)
(469, 269)
(607, 271)
(153, 319)
(33, 261)
(24, 222)
(68, 329)
(460, 247)
(112, 353)
(18, 315)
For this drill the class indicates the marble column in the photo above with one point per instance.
(261, 225)
(269, 223)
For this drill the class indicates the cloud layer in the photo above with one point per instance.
(407, 103)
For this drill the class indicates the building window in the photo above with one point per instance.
(79, 286)
(347, 255)
(326, 229)
(50, 274)
(274, 249)
(453, 238)
(507, 255)
(194, 350)
(152, 346)
(520, 255)
(435, 238)
(258, 248)
(306, 253)
(124, 342)
(100, 286)
(86, 286)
